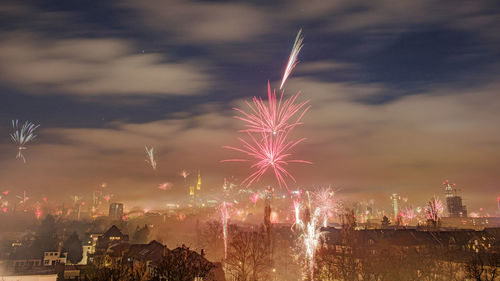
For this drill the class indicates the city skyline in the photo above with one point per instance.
(398, 105)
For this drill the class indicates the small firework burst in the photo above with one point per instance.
(22, 135)
(434, 209)
(151, 157)
(165, 186)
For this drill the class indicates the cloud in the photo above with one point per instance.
(94, 67)
(407, 146)
(203, 22)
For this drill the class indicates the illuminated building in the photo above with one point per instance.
(396, 204)
(96, 200)
(198, 191)
(116, 211)
(198, 184)
(453, 201)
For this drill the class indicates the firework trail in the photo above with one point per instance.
(165, 186)
(225, 218)
(151, 157)
(292, 60)
(271, 152)
(22, 135)
(434, 209)
(273, 117)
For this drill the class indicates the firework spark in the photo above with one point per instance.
(434, 209)
(271, 152)
(225, 218)
(292, 60)
(310, 238)
(275, 116)
(296, 208)
(165, 186)
(325, 202)
(408, 215)
(151, 157)
(22, 135)
(309, 231)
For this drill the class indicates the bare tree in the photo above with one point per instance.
(483, 267)
(248, 258)
(212, 241)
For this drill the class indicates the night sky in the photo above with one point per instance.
(404, 95)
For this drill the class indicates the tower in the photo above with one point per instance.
(448, 188)
(191, 195)
(396, 202)
(453, 202)
(198, 191)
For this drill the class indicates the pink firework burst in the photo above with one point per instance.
(275, 116)
(272, 122)
(270, 152)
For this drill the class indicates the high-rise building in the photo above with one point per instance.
(116, 211)
(198, 184)
(454, 202)
(396, 205)
(96, 200)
